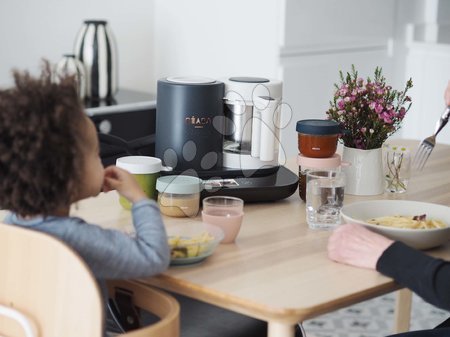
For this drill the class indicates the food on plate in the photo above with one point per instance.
(183, 247)
(409, 222)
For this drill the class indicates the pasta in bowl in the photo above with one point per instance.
(192, 242)
(418, 224)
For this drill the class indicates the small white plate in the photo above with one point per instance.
(360, 212)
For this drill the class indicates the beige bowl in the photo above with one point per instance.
(360, 212)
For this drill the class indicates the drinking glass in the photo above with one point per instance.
(397, 168)
(324, 198)
(225, 212)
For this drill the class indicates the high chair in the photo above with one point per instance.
(151, 300)
(47, 290)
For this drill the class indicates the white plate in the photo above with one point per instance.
(360, 212)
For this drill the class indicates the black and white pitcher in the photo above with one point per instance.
(70, 65)
(96, 48)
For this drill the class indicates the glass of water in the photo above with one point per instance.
(324, 198)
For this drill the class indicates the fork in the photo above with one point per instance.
(427, 145)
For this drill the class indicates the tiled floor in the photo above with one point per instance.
(373, 318)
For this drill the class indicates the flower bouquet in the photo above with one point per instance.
(369, 111)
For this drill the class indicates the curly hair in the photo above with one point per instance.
(40, 151)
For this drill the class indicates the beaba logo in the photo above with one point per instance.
(198, 122)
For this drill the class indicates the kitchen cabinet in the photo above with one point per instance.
(127, 120)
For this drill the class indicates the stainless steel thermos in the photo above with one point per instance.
(96, 48)
(70, 65)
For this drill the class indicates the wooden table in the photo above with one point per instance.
(278, 269)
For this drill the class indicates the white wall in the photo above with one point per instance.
(311, 22)
(323, 37)
(421, 55)
(218, 38)
(32, 30)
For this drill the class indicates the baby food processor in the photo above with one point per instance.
(226, 133)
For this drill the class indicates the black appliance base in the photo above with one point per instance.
(274, 186)
(264, 185)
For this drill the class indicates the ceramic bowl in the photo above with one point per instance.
(360, 212)
(192, 242)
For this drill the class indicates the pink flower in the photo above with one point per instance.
(378, 108)
(380, 91)
(341, 104)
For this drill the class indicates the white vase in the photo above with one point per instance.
(364, 175)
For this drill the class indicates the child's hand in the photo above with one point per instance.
(124, 182)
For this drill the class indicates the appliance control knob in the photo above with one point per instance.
(105, 126)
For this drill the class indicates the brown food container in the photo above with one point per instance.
(317, 138)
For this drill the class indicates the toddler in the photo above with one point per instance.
(49, 159)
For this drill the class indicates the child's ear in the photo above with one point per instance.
(74, 191)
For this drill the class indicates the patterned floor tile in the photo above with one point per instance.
(373, 318)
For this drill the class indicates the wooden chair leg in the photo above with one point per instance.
(403, 310)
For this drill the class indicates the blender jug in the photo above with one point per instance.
(252, 112)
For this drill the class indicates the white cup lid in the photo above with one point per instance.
(139, 164)
(179, 184)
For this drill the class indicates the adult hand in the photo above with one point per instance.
(357, 246)
(124, 182)
(447, 94)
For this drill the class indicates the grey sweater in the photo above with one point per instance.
(109, 253)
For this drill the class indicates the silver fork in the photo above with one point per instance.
(427, 145)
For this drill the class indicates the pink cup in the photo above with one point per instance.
(224, 212)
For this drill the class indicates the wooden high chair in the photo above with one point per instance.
(154, 301)
(47, 290)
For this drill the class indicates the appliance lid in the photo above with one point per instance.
(248, 89)
(246, 79)
(190, 80)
